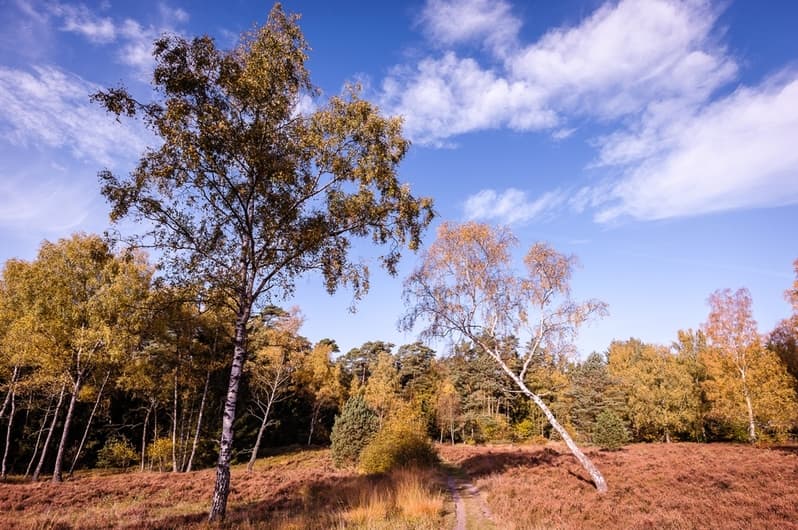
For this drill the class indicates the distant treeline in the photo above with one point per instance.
(103, 365)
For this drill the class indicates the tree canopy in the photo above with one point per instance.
(245, 191)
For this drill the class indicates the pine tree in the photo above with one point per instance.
(352, 431)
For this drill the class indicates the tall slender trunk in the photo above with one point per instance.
(451, 431)
(59, 456)
(39, 437)
(39, 466)
(88, 423)
(263, 424)
(144, 436)
(595, 474)
(199, 422)
(185, 420)
(174, 427)
(221, 488)
(10, 392)
(3, 471)
(315, 416)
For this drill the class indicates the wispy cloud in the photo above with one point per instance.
(50, 205)
(511, 206)
(738, 152)
(650, 69)
(48, 107)
(79, 19)
(133, 39)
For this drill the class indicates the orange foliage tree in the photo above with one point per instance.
(466, 286)
(744, 378)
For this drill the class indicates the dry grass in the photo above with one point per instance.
(407, 499)
(651, 486)
(296, 490)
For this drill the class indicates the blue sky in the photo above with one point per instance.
(655, 139)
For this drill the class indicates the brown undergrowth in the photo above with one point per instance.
(296, 490)
(650, 486)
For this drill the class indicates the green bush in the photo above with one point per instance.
(494, 427)
(402, 442)
(352, 431)
(610, 432)
(117, 452)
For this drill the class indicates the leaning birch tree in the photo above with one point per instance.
(246, 192)
(466, 287)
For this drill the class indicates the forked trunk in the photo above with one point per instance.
(59, 456)
(39, 438)
(10, 391)
(88, 423)
(199, 423)
(221, 489)
(49, 437)
(256, 448)
(592, 470)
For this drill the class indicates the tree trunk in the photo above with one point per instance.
(199, 423)
(59, 456)
(256, 448)
(39, 437)
(185, 420)
(10, 392)
(88, 424)
(751, 424)
(314, 417)
(174, 427)
(144, 437)
(39, 466)
(221, 489)
(595, 474)
(3, 471)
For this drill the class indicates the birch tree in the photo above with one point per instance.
(84, 311)
(245, 192)
(745, 380)
(278, 351)
(466, 287)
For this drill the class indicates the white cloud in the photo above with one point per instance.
(648, 70)
(511, 206)
(449, 22)
(738, 152)
(444, 97)
(79, 19)
(50, 108)
(134, 40)
(136, 51)
(625, 55)
(616, 62)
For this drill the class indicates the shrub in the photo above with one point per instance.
(117, 452)
(160, 453)
(402, 442)
(352, 431)
(610, 432)
(494, 427)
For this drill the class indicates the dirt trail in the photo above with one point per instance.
(471, 511)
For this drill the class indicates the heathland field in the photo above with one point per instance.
(501, 486)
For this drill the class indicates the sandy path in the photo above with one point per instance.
(471, 512)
